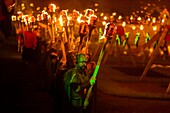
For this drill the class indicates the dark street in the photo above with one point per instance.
(25, 91)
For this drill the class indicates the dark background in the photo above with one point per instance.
(125, 7)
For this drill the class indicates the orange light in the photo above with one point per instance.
(141, 27)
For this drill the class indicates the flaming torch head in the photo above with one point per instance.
(63, 14)
(52, 7)
(89, 12)
(83, 29)
(109, 30)
(92, 21)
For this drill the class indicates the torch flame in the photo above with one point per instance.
(133, 27)
(61, 20)
(53, 7)
(141, 27)
(154, 28)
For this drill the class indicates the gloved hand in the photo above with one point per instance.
(92, 80)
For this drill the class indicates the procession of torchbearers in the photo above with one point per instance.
(63, 41)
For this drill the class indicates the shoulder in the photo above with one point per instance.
(91, 65)
(68, 74)
(73, 70)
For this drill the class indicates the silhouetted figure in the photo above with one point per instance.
(76, 83)
(5, 17)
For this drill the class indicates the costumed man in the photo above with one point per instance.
(30, 43)
(76, 83)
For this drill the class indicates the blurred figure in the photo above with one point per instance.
(76, 24)
(121, 33)
(30, 43)
(20, 40)
(83, 32)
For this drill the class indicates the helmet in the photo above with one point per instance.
(80, 58)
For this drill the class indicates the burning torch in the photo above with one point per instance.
(108, 33)
(83, 31)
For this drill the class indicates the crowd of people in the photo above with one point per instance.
(70, 65)
(64, 52)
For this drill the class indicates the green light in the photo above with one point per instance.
(137, 37)
(99, 62)
(92, 81)
(100, 34)
(118, 39)
(127, 34)
(124, 43)
(147, 37)
(96, 71)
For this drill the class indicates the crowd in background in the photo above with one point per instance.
(61, 44)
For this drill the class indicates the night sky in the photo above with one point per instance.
(121, 6)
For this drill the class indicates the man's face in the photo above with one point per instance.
(82, 63)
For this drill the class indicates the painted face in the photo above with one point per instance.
(82, 65)
(81, 61)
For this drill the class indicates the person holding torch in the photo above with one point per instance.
(76, 83)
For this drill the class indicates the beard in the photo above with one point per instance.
(82, 68)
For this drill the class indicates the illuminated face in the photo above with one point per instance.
(81, 62)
